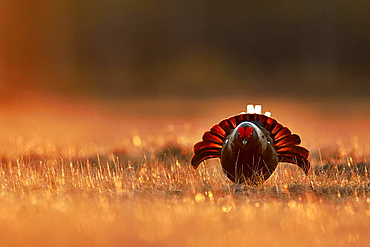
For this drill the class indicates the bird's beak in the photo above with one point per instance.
(244, 142)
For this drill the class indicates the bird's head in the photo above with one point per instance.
(247, 134)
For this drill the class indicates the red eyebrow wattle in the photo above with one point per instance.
(241, 132)
(248, 131)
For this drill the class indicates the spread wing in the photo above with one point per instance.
(286, 143)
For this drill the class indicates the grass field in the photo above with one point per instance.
(77, 174)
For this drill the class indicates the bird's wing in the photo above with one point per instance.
(286, 143)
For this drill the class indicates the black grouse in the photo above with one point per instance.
(250, 147)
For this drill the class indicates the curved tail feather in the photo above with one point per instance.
(205, 146)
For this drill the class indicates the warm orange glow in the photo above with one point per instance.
(101, 103)
(82, 173)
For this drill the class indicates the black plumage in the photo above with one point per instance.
(250, 147)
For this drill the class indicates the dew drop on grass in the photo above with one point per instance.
(226, 208)
(292, 204)
(210, 195)
(136, 140)
(199, 198)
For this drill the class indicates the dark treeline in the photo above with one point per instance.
(187, 48)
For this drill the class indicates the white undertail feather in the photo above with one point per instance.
(257, 109)
(254, 109)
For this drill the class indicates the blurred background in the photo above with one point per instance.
(107, 72)
(116, 49)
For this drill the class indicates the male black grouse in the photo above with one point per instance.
(250, 147)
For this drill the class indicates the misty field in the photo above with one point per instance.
(83, 177)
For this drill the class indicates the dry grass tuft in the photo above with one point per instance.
(66, 201)
(92, 181)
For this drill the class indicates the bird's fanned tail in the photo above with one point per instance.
(286, 143)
